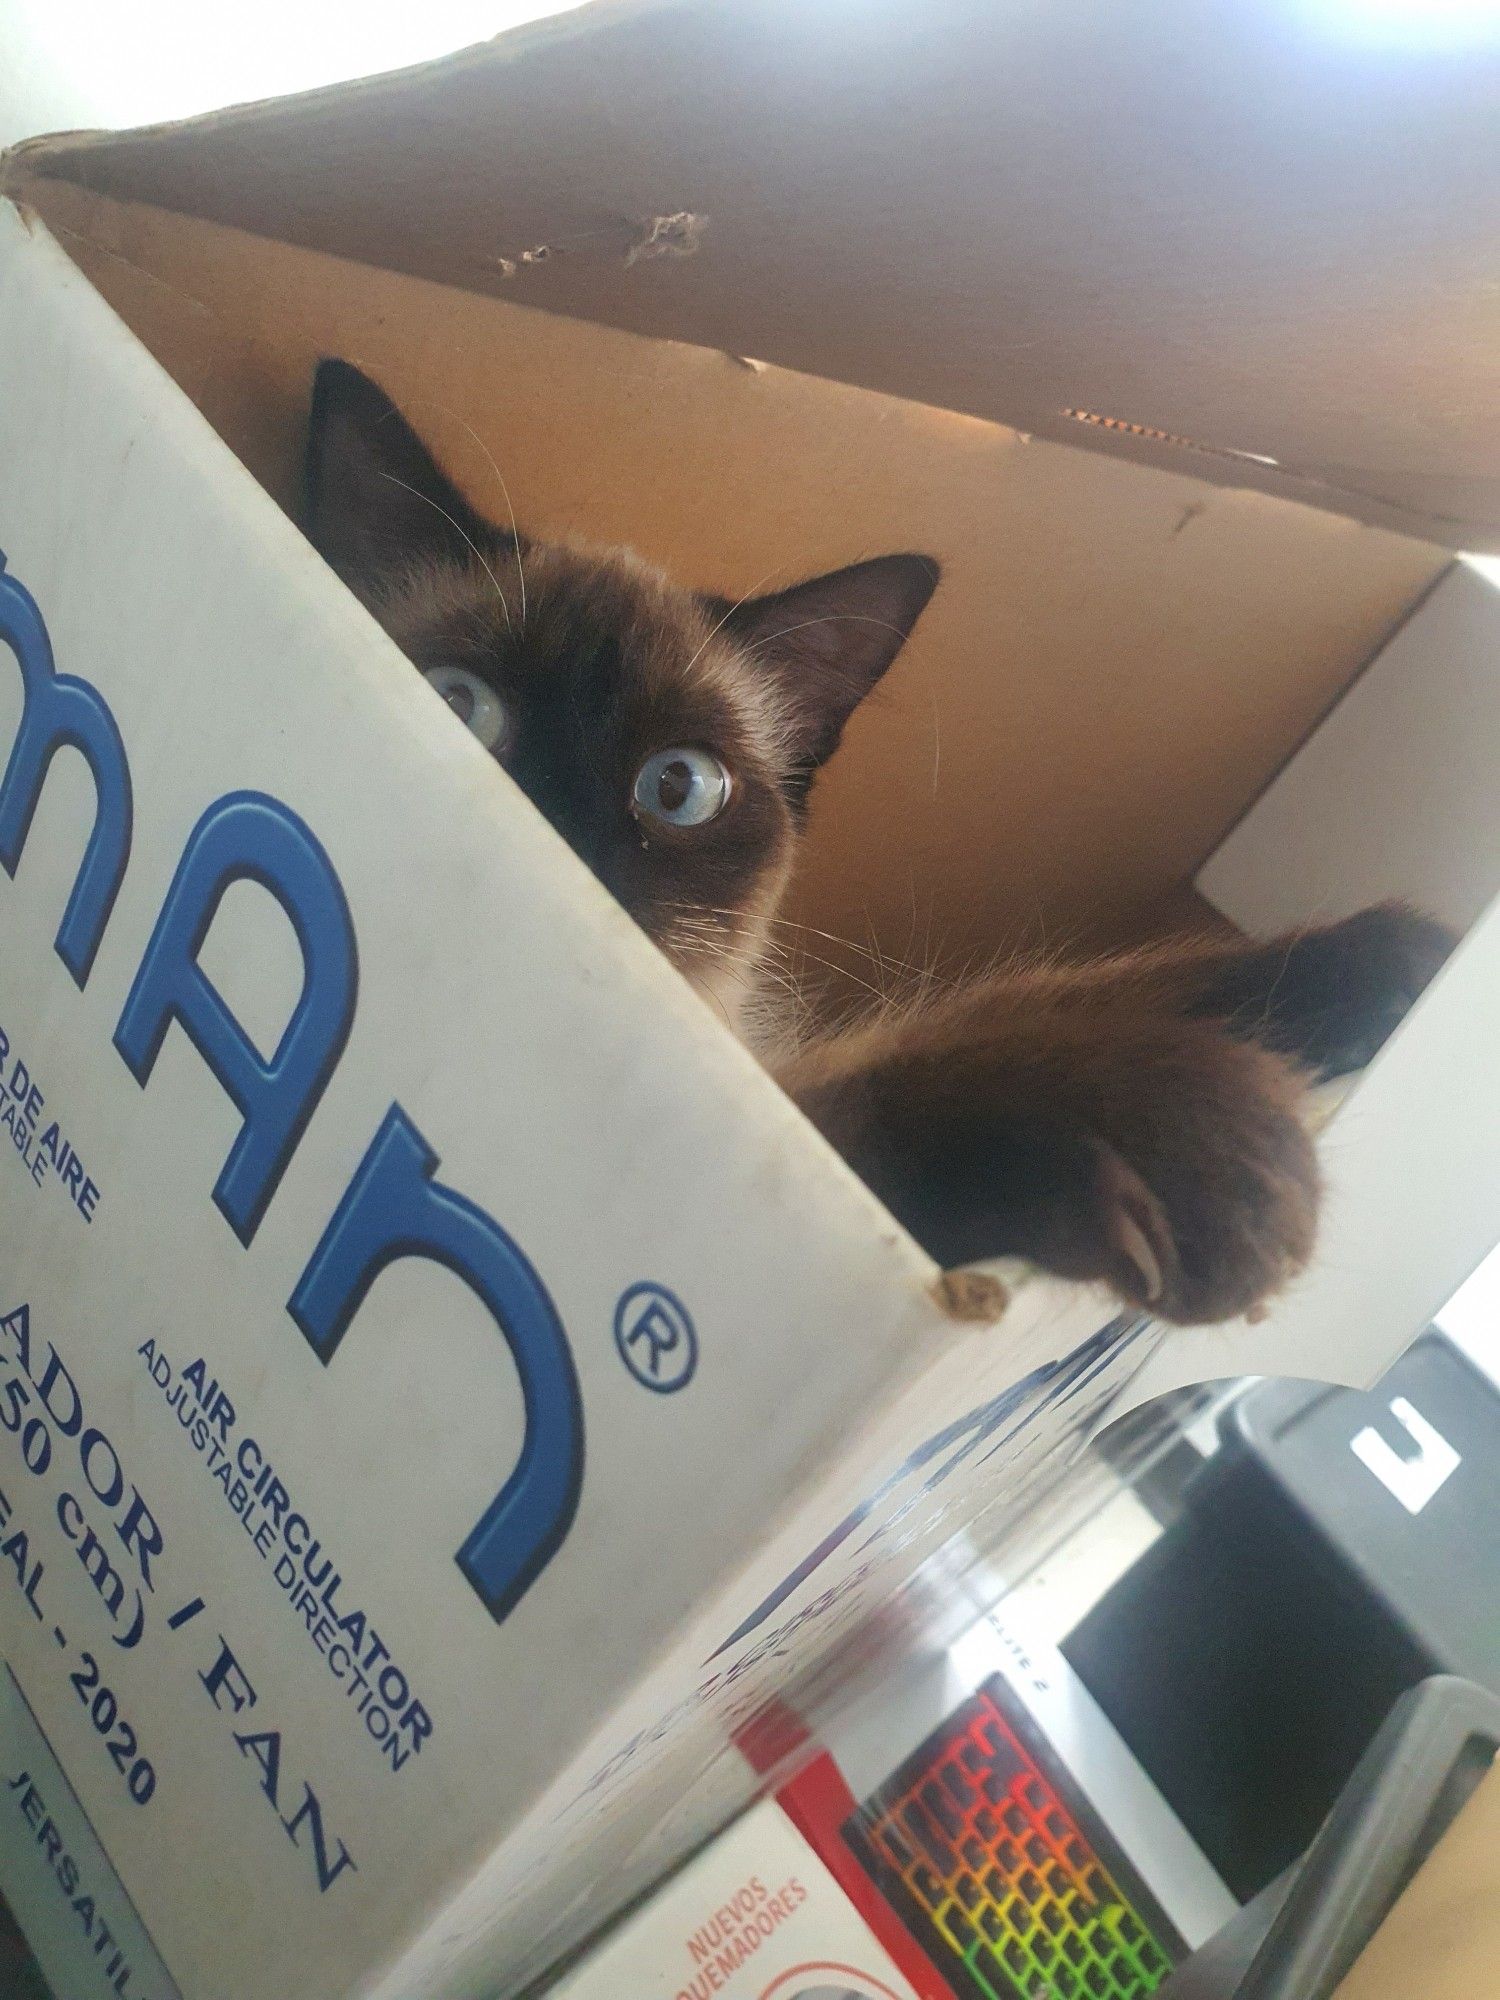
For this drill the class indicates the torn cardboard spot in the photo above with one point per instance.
(679, 235)
(971, 1295)
(676, 235)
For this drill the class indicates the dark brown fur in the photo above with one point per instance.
(1099, 1119)
(1136, 1120)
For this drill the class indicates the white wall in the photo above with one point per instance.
(131, 62)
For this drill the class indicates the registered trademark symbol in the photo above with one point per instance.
(656, 1338)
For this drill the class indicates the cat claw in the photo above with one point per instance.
(1130, 1240)
(1137, 1231)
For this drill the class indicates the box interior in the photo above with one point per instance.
(572, 256)
(1117, 661)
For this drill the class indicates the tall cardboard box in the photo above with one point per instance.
(445, 1387)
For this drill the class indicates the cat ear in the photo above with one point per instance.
(826, 643)
(376, 499)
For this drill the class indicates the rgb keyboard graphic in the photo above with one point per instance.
(991, 1870)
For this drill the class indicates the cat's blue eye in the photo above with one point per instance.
(474, 702)
(680, 787)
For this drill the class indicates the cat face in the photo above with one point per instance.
(671, 738)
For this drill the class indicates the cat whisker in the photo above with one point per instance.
(711, 938)
(883, 960)
(844, 972)
(831, 618)
(754, 591)
(707, 946)
(727, 927)
(509, 508)
(458, 526)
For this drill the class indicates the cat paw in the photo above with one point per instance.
(1214, 1238)
(1345, 990)
(1166, 1158)
(1192, 1194)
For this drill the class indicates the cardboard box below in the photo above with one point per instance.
(1442, 1937)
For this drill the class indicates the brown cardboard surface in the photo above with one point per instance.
(1442, 1940)
(1231, 226)
(1116, 662)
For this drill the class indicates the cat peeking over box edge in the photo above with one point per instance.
(1135, 1119)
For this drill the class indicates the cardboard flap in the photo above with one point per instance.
(1244, 238)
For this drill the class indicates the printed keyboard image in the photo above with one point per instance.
(989, 1867)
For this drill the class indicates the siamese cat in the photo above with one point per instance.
(1134, 1119)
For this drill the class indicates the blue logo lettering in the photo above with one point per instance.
(249, 836)
(394, 1208)
(59, 709)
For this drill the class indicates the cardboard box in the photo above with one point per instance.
(380, 1643)
(1441, 1936)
